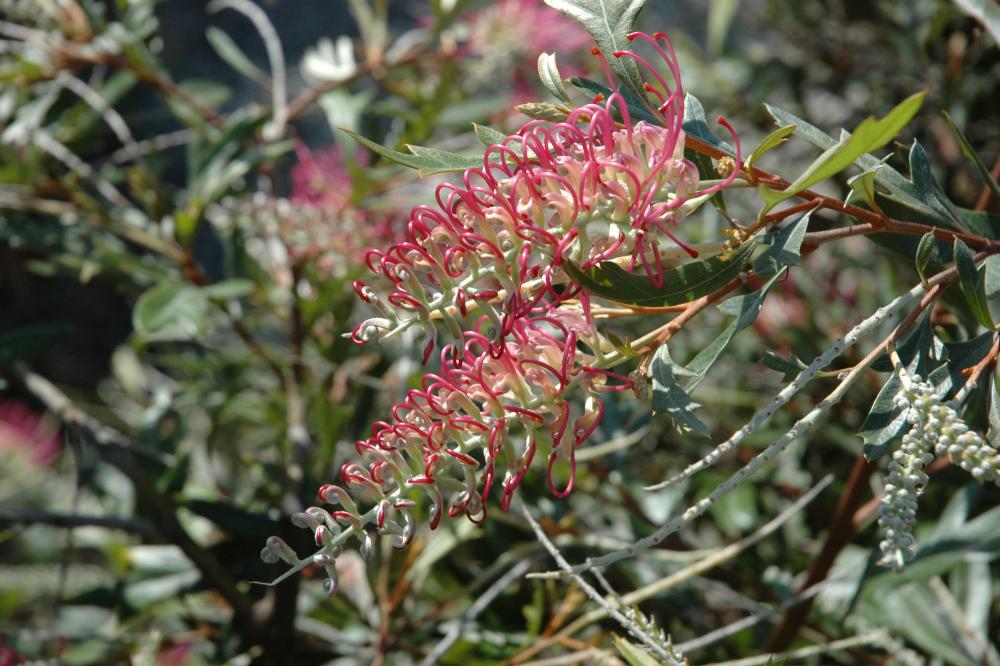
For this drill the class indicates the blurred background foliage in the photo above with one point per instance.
(175, 277)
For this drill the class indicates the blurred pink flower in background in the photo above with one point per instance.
(28, 433)
(175, 655)
(508, 37)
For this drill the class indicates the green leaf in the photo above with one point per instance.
(680, 285)
(696, 125)
(782, 247)
(972, 283)
(967, 150)
(720, 17)
(426, 161)
(171, 311)
(229, 289)
(986, 12)
(924, 250)
(670, 397)
(886, 420)
(608, 22)
(863, 185)
(633, 654)
(993, 434)
(746, 308)
(22, 343)
(488, 135)
(870, 135)
(233, 55)
(636, 108)
(789, 367)
(770, 142)
(548, 73)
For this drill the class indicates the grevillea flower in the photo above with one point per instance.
(522, 367)
(29, 433)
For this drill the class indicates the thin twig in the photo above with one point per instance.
(834, 646)
(626, 623)
(484, 600)
(724, 632)
(686, 574)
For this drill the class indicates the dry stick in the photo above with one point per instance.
(117, 448)
(626, 623)
(801, 426)
(484, 600)
(686, 574)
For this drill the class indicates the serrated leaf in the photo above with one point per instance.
(789, 367)
(782, 247)
(870, 135)
(770, 142)
(670, 397)
(745, 308)
(636, 109)
(924, 250)
(696, 125)
(548, 74)
(426, 161)
(608, 22)
(233, 55)
(488, 135)
(972, 283)
(680, 285)
(172, 311)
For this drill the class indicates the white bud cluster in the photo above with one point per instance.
(940, 425)
(935, 430)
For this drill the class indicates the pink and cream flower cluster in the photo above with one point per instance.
(481, 273)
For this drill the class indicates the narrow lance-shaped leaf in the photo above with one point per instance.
(967, 150)
(770, 142)
(870, 135)
(924, 251)
(548, 73)
(680, 285)
(426, 161)
(973, 283)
